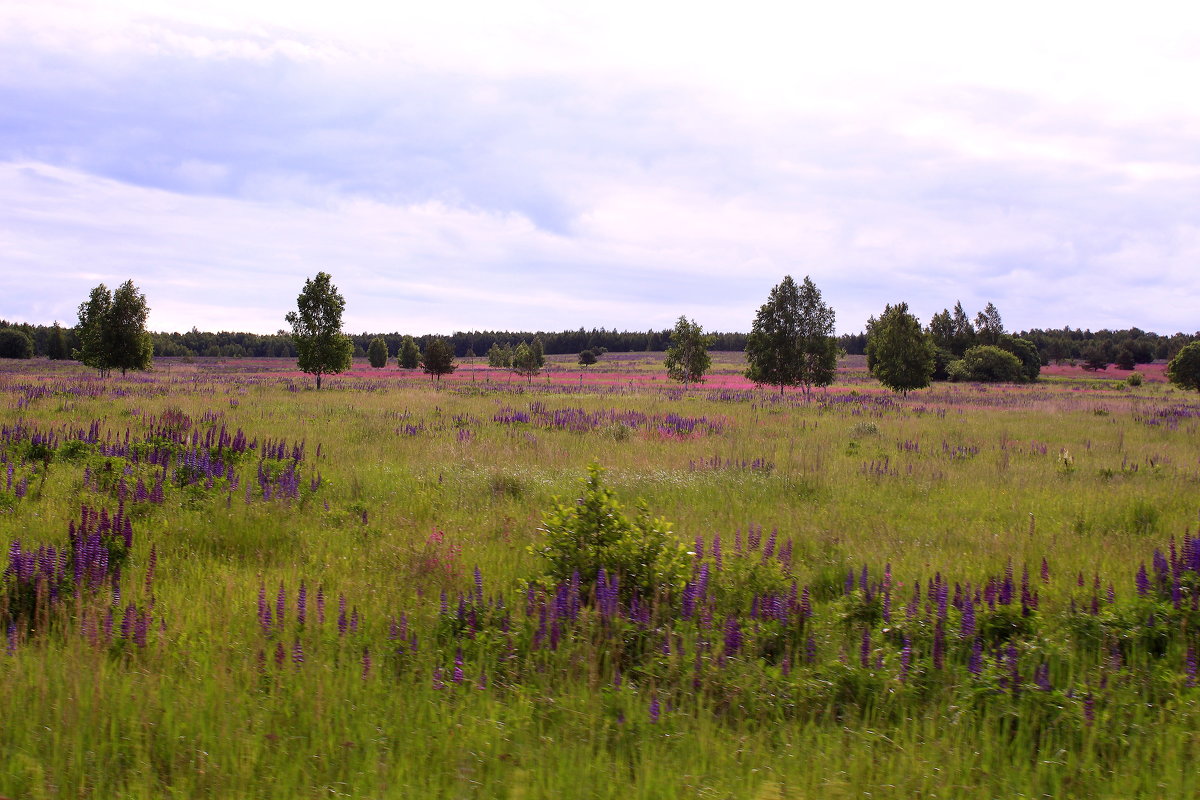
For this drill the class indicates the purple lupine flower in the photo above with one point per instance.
(1191, 665)
(301, 604)
(280, 606)
(342, 621)
(478, 585)
(654, 708)
(1089, 709)
(699, 548)
(150, 564)
(366, 663)
(264, 611)
(968, 619)
(1041, 676)
(810, 650)
(975, 663)
(864, 654)
(733, 636)
(1045, 570)
(905, 659)
(11, 647)
(354, 620)
(127, 622)
(458, 666)
(939, 646)
(297, 653)
(280, 654)
(1142, 581)
(716, 550)
(141, 627)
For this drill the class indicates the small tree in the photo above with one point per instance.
(899, 354)
(438, 359)
(1027, 352)
(410, 354)
(317, 329)
(15, 343)
(687, 356)
(112, 330)
(791, 342)
(525, 361)
(1095, 358)
(539, 351)
(377, 353)
(500, 356)
(587, 358)
(1184, 368)
(988, 326)
(594, 533)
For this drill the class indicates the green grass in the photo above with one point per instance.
(957, 480)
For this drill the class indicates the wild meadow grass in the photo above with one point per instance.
(222, 583)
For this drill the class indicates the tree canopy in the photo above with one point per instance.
(112, 330)
(791, 342)
(1184, 368)
(687, 356)
(438, 359)
(15, 343)
(899, 354)
(317, 329)
(377, 353)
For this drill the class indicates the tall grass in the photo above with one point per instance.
(402, 491)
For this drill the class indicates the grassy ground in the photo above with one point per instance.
(1031, 663)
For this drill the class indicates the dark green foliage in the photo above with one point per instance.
(438, 359)
(317, 329)
(56, 344)
(899, 354)
(587, 358)
(987, 364)
(687, 357)
(377, 353)
(1095, 357)
(15, 343)
(1184, 369)
(500, 355)
(988, 326)
(410, 355)
(594, 532)
(525, 361)
(112, 330)
(791, 342)
(1027, 352)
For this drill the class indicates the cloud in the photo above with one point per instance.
(532, 165)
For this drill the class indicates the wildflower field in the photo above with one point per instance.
(219, 582)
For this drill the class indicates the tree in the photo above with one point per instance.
(56, 347)
(15, 343)
(587, 358)
(438, 359)
(899, 354)
(410, 354)
(377, 353)
(964, 332)
(500, 355)
(687, 355)
(1027, 352)
(112, 330)
(1095, 358)
(1184, 368)
(988, 326)
(791, 342)
(987, 364)
(525, 361)
(539, 351)
(317, 329)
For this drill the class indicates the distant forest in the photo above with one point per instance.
(1057, 345)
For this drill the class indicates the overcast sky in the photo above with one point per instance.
(516, 165)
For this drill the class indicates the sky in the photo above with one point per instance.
(555, 165)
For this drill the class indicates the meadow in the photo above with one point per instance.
(220, 582)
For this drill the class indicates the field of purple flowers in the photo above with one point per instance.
(220, 582)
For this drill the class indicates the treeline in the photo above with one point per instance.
(1125, 348)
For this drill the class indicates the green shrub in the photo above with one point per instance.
(595, 533)
(1134, 379)
(988, 364)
